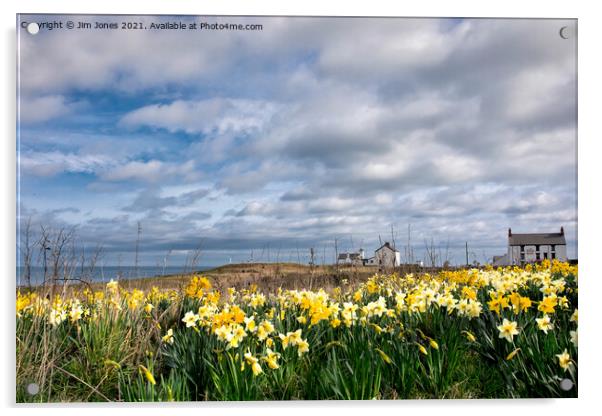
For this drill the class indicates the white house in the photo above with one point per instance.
(529, 248)
(356, 259)
(386, 256)
(371, 261)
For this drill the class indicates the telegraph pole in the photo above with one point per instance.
(467, 254)
(137, 246)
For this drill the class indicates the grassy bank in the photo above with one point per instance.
(266, 276)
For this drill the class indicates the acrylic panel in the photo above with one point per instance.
(234, 208)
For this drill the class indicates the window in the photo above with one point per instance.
(545, 255)
(553, 255)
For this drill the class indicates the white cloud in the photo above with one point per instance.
(149, 171)
(217, 115)
(53, 163)
(44, 108)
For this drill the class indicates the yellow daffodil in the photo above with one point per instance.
(497, 303)
(190, 318)
(250, 324)
(294, 337)
(548, 304)
(524, 304)
(76, 312)
(168, 337)
(564, 360)
(254, 363)
(302, 347)
(148, 375)
(469, 293)
(508, 329)
(264, 330)
(544, 323)
(271, 358)
(57, 316)
(235, 336)
(563, 302)
(113, 286)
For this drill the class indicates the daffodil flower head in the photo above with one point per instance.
(564, 360)
(168, 337)
(544, 323)
(190, 318)
(508, 329)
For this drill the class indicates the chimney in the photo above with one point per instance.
(361, 253)
(509, 232)
(387, 244)
(562, 230)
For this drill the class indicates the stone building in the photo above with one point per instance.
(530, 248)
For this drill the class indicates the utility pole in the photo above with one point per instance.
(467, 254)
(137, 247)
(336, 253)
(45, 247)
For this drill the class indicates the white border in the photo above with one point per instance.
(590, 208)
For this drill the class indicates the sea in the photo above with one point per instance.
(106, 273)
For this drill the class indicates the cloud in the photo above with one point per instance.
(148, 171)
(145, 171)
(53, 163)
(216, 115)
(44, 108)
(151, 199)
(310, 130)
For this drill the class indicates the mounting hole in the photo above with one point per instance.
(33, 388)
(33, 28)
(566, 384)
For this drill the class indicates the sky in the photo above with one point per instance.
(245, 144)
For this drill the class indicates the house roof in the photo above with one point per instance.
(536, 239)
(386, 245)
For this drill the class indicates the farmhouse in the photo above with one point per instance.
(530, 248)
(355, 259)
(384, 256)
